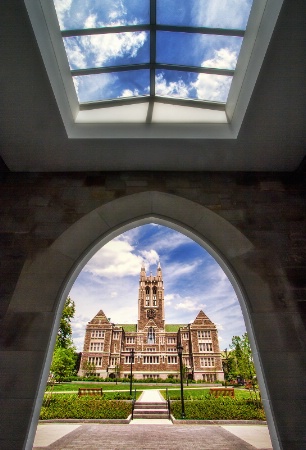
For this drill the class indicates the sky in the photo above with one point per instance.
(189, 49)
(193, 281)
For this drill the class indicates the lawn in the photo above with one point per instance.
(200, 394)
(74, 387)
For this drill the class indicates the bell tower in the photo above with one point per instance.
(151, 300)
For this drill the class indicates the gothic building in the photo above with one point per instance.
(154, 343)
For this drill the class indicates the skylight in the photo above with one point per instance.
(153, 68)
(147, 51)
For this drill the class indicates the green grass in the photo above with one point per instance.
(199, 394)
(74, 387)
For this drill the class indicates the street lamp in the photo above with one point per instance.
(117, 369)
(180, 352)
(225, 367)
(131, 374)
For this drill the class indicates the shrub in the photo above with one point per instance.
(86, 407)
(221, 408)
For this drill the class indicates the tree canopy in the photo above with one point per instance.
(240, 359)
(64, 356)
(64, 335)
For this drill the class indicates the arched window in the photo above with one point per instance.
(154, 296)
(147, 296)
(151, 336)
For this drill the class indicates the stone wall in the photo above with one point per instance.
(255, 222)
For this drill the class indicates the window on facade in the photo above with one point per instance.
(130, 340)
(116, 335)
(171, 349)
(172, 359)
(205, 347)
(185, 336)
(151, 336)
(204, 334)
(151, 359)
(128, 360)
(207, 362)
(97, 334)
(97, 361)
(154, 52)
(96, 346)
(171, 340)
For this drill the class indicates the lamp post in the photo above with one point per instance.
(225, 367)
(131, 374)
(180, 352)
(117, 368)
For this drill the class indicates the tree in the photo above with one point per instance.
(89, 369)
(240, 360)
(64, 335)
(63, 363)
(64, 356)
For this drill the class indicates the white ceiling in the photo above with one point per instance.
(33, 136)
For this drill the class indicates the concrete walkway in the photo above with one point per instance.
(151, 395)
(55, 436)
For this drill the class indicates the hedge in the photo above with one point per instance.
(86, 407)
(221, 408)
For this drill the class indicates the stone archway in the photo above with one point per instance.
(55, 269)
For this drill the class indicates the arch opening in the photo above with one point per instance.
(201, 225)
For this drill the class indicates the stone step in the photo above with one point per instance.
(150, 416)
(150, 406)
(150, 411)
(150, 403)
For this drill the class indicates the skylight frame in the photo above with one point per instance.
(152, 65)
(257, 35)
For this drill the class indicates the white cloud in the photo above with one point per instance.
(222, 13)
(188, 304)
(216, 87)
(118, 259)
(93, 86)
(223, 59)
(90, 21)
(171, 89)
(115, 259)
(149, 257)
(62, 7)
(129, 93)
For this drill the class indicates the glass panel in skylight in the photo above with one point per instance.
(79, 14)
(220, 52)
(106, 86)
(231, 14)
(105, 50)
(188, 85)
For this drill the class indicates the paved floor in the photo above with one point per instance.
(151, 437)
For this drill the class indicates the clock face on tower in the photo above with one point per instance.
(151, 313)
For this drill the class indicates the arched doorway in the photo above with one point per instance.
(69, 253)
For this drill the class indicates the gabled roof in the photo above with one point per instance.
(100, 316)
(202, 319)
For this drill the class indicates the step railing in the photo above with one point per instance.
(168, 404)
(133, 404)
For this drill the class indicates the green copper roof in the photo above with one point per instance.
(173, 327)
(128, 327)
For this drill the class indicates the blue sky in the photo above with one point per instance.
(192, 281)
(133, 48)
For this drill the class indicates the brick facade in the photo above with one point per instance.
(108, 346)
